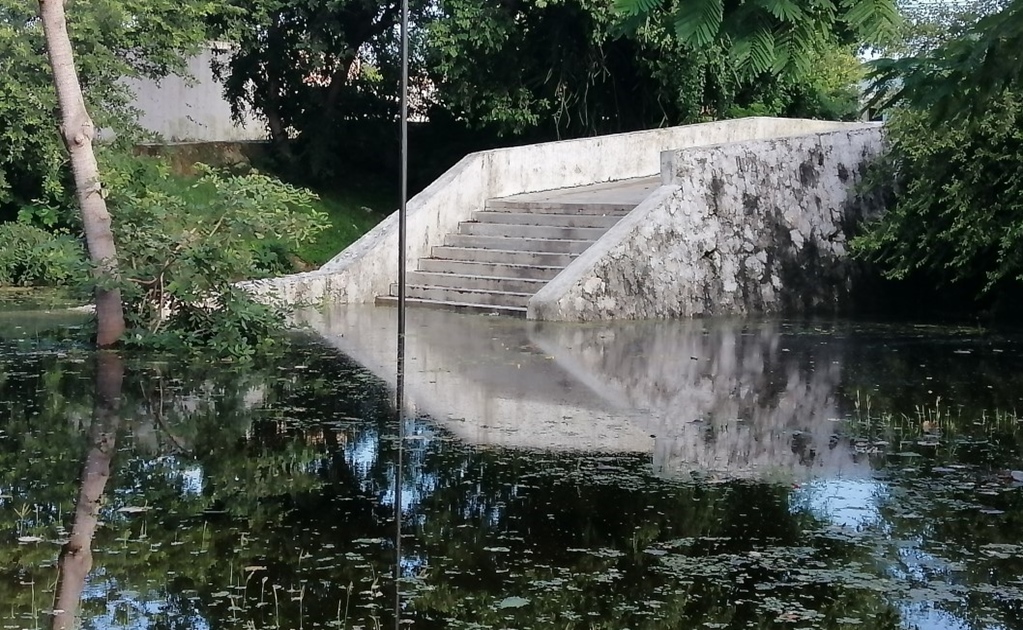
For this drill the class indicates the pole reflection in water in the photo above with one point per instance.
(76, 557)
(400, 417)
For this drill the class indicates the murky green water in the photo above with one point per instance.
(265, 498)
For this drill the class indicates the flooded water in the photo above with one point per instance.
(711, 474)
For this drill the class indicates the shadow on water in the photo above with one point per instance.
(705, 474)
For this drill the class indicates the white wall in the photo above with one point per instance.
(183, 109)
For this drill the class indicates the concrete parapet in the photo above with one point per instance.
(745, 227)
(366, 269)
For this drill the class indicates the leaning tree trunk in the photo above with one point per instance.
(76, 557)
(78, 132)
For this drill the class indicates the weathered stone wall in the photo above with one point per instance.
(368, 267)
(750, 227)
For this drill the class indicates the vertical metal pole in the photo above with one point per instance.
(402, 210)
(402, 246)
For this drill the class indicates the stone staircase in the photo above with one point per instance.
(500, 259)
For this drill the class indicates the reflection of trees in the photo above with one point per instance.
(901, 368)
(579, 538)
(258, 501)
(76, 555)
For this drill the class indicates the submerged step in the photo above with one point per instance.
(531, 231)
(486, 283)
(471, 296)
(486, 309)
(477, 268)
(604, 221)
(544, 259)
(518, 244)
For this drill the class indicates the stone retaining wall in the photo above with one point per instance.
(746, 227)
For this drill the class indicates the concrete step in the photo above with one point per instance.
(604, 221)
(476, 268)
(559, 207)
(542, 259)
(531, 231)
(485, 283)
(468, 296)
(487, 309)
(548, 245)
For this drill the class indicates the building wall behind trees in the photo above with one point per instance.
(192, 107)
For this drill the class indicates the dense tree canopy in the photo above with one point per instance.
(956, 158)
(324, 74)
(306, 67)
(769, 35)
(573, 68)
(959, 61)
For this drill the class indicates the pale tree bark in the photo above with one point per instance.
(76, 556)
(78, 131)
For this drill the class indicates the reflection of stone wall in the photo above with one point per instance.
(750, 227)
(723, 396)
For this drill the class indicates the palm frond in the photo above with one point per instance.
(783, 10)
(698, 22)
(960, 77)
(873, 20)
(761, 57)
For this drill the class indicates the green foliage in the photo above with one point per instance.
(769, 36)
(113, 40)
(957, 212)
(310, 66)
(32, 256)
(178, 279)
(956, 158)
(493, 66)
(960, 65)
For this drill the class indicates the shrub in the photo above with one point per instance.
(957, 208)
(183, 244)
(31, 256)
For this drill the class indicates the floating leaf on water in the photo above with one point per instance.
(512, 602)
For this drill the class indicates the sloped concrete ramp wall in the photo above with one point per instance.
(367, 268)
(745, 227)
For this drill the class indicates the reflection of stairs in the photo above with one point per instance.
(497, 261)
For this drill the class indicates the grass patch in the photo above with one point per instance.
(352, 213)
(354, 207)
